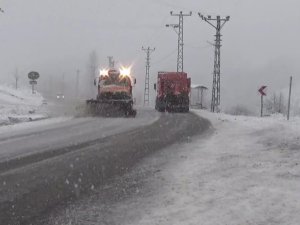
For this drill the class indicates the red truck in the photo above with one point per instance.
(173, 89)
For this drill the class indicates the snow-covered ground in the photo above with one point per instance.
(246, 170)
(19, 105)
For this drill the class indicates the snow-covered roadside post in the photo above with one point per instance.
(289, 103)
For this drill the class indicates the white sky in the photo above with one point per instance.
(56, 37)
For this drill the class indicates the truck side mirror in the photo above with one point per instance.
(155, 87)
(134, 81)
(95, 82)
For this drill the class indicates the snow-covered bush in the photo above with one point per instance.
(239, 110)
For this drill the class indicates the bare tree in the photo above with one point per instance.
(275, 104)
(281, 103)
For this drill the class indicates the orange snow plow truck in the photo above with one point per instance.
(114, 94)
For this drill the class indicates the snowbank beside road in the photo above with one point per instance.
(19, 105)
(246, 172)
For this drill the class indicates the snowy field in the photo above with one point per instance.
(246, 170)
(19, 105)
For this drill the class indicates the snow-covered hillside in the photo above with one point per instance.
(19, 105)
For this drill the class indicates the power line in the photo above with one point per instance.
(179, 30)
(155, 36)
(147, 76)
(216, 88)
(197, 47)
(167, 56)
(168, 4)
(162, 59)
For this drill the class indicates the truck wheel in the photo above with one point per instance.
(133, 113)
(160, 109)
(168, 109)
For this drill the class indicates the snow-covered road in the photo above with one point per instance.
(17, 141)
(244, 171)
(71, 159)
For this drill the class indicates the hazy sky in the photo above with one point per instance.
(56, 36)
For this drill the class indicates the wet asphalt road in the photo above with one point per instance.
(31, 189)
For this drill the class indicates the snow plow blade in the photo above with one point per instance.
(112, 108)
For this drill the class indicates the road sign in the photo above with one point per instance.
(33, 75)
(262, 93)
(261, 90)
(33, 82)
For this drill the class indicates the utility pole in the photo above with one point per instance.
(50, 85)
(77, 83)
(147, 77)
(63, 84)
(289, 103)
(261, 106)
(17, 77)
(179, 30)
(111, 62)
(216, 88)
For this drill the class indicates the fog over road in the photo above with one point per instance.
(45, 168)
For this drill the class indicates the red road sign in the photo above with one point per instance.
(261, 90)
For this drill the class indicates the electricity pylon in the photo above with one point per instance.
(147, 76)
(179, 30)
(216, 88)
